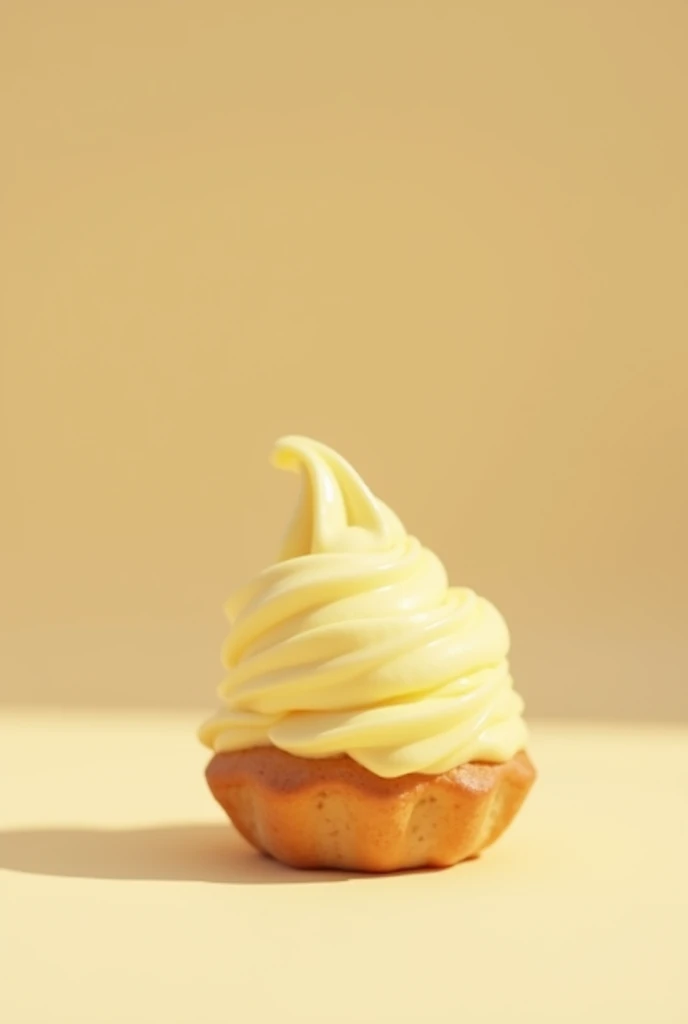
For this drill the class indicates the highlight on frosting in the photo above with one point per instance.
(354, 643)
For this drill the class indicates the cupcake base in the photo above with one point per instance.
(333, 813)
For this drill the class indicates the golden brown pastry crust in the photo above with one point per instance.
(333, 813)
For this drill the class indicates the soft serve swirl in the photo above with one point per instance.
(354, 643)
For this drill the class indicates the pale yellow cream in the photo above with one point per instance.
(354, 643)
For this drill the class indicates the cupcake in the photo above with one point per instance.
(368, 719)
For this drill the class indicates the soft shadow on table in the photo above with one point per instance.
(177, 852)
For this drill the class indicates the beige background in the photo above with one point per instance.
(449, 239)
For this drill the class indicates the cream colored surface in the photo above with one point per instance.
(354, 643)
(449, 239)
(127, 899)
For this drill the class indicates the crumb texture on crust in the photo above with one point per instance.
(333, 813)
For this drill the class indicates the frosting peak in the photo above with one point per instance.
(337, 511)
(354, 643)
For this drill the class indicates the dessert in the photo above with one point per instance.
(368, 719)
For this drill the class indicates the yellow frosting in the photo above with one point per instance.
(354, 643)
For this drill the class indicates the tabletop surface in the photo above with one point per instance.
(126, 897)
